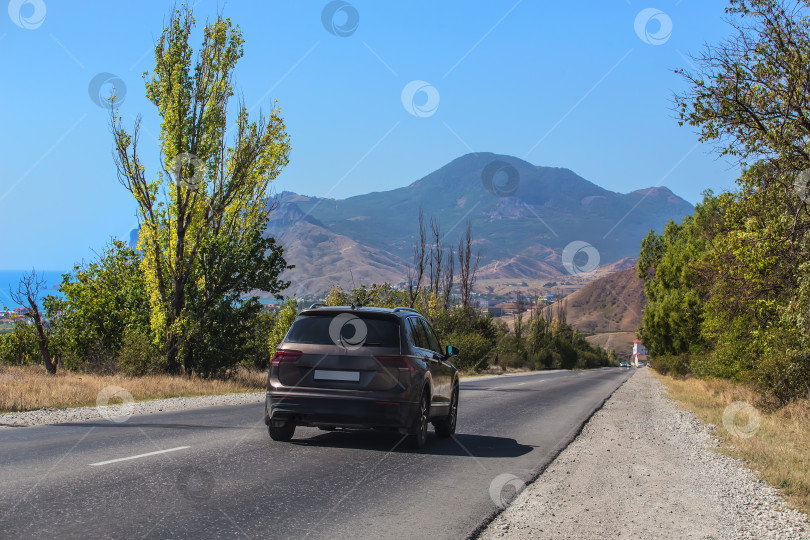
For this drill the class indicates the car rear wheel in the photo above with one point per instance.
(419, 428)
(281, 432)
(447, 426)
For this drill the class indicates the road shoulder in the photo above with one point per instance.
(49, 416)
(643, 468)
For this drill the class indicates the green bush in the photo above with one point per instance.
(259, 349)
(678, 364)
(139, 356)
(216, 343)
(285, 318)
(475, 350)
(384, 295)
(783, 370)
(19, 347)
(100, 302)
(567, 353)
(465, 319)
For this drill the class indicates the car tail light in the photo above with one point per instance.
(285, 356)
(400, 362)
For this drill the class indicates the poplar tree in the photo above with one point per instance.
(202, 217)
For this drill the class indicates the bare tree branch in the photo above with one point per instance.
(27, 295)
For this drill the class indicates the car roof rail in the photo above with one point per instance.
(316, 305)
(400, 308)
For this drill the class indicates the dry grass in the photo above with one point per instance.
(779, 449)
(494, 370)
(30, 388)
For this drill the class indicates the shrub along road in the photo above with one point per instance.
(214, 471)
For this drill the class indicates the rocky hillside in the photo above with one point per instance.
(612, 303)
(608, 309)
(323, 258)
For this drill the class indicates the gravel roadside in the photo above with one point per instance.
(643, 468)
(42, 417)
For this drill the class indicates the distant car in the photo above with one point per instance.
(624, 364)
(362, 367)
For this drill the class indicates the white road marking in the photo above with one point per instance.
(138, 456)
(508, 385)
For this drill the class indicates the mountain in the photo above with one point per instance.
(522, 215)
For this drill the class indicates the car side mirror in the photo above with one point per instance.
(452, 351)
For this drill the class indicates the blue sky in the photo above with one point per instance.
(567, 84)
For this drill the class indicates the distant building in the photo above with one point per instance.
(640, 354)
(512, 308)
(495, 311)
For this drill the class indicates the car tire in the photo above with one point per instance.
(446, 427)
(283, 432)
(419, 427)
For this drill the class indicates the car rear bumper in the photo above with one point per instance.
(339, 410)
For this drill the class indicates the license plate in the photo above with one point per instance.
(326, 375)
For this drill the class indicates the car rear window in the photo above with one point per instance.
(418, 335)
(351, 330)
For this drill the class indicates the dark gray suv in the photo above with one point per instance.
(362, 367)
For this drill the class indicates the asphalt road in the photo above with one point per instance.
(218, 474)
